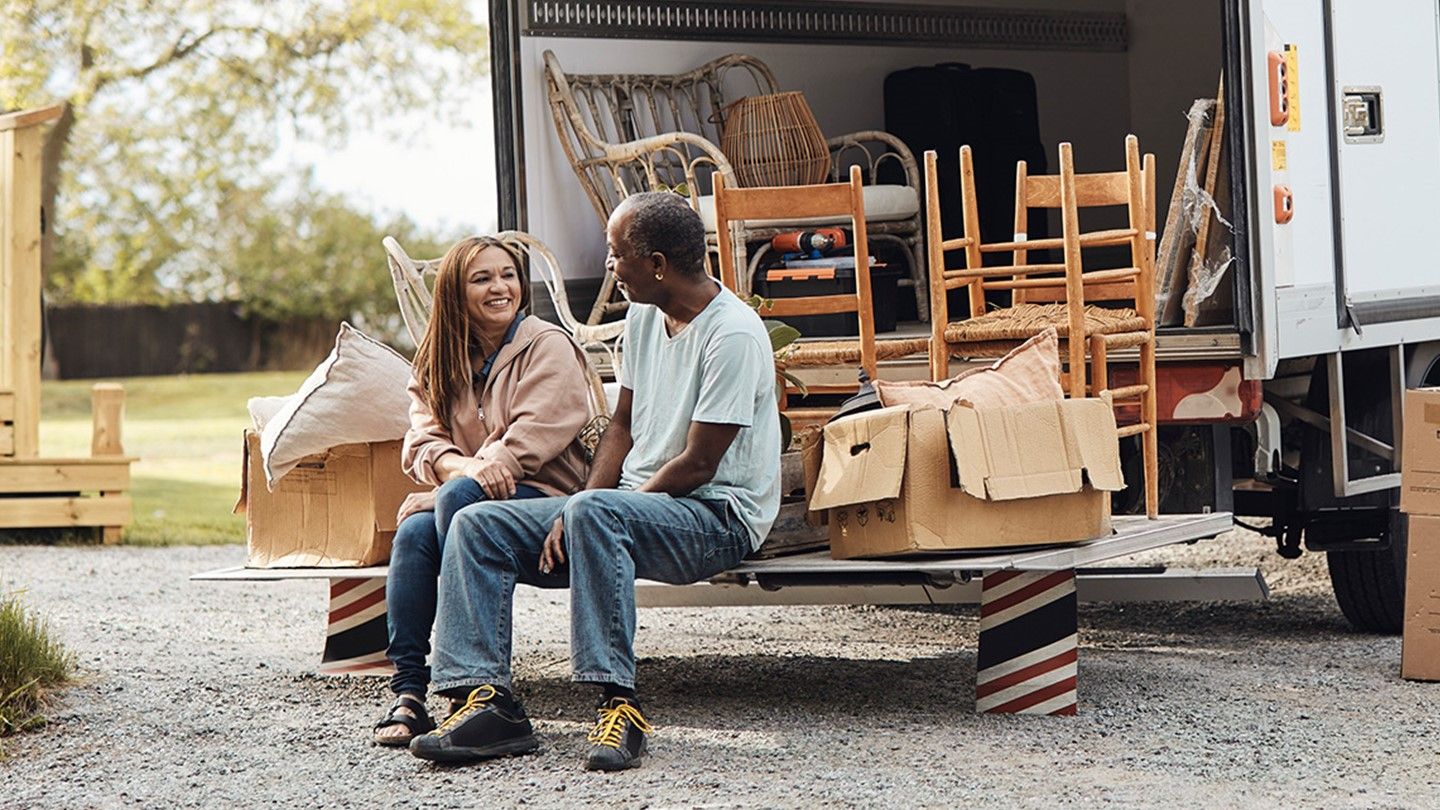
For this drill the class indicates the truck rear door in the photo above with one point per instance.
(1385, 93)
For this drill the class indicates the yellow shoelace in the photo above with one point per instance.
(478, 699)
(608, 728)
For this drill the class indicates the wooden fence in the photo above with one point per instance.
(141, 340)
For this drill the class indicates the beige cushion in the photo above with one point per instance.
(356, 395)
(263, 409)
(1031, 373)
(882, 204)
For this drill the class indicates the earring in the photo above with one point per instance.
(659, 276)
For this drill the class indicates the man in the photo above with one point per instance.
(684, 484)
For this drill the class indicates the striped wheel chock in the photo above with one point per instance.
(1027, 660)
(356, 636)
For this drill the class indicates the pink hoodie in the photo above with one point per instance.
(536, 397)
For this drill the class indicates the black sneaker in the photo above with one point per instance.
(617, 741)
(491, 723)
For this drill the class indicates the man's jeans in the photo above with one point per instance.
(410, 585)
(611, 538)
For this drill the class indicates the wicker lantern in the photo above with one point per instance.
(774, 141)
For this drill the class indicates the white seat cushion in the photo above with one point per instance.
(882, 204)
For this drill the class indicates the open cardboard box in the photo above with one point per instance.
(900, 481)
(334, 510)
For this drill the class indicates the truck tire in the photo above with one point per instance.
(1369, 585)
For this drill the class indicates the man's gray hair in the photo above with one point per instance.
(663, 222)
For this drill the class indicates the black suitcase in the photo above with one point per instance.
(993, 110)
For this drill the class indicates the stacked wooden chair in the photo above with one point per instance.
(1094, 310)
(734, 207)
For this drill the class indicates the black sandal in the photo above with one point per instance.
(417, 725)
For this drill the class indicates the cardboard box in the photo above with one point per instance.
(1420, 453)
(334, 510)
(899, 481)
(1420, 656)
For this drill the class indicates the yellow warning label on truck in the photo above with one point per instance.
(1277, 156)
(1292, 87)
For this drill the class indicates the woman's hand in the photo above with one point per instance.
(413, 503)
(492, 476)
(552, 554)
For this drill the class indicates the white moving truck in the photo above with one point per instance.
(1332, 136)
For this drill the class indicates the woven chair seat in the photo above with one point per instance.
(841, 352)
(1024, 321)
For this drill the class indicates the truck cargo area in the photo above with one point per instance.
(1101, 70)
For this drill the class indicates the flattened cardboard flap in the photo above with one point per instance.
(1028, 451)
(864, 458)
(242, 503)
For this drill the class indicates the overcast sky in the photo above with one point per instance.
(442, 177)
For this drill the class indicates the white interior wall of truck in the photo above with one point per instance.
(1090, 99)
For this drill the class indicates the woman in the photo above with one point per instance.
(497, 400)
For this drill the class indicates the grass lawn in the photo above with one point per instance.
(186, 431)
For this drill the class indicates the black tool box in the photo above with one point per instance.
(797, 282)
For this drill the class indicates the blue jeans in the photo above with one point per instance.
(611, 538)
(410, 585)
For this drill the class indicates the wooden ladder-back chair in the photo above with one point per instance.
(735, 206)
(1059, 294)
(415, 281)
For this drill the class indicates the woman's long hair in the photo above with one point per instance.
(442, 363)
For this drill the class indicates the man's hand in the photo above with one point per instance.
(552, 554)
(492, 476)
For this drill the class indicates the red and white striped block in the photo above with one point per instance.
(1028, 655)
(356, 635)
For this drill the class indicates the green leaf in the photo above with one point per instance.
(782, 335)
(794, 382)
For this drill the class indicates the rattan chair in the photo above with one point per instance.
(735, 206)
(1059, 294)
(415, 281)
(625, 133)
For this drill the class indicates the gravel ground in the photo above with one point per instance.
(200, 694)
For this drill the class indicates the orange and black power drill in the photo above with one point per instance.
(808, 244)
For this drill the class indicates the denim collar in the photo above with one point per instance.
(483, 373)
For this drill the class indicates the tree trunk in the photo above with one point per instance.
(56, 142)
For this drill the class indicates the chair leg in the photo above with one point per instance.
(1151, 437)
(939, 359)
(602, 299)
(1099, 366)
(922, 280)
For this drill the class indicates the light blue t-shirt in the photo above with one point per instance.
(719, 369)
